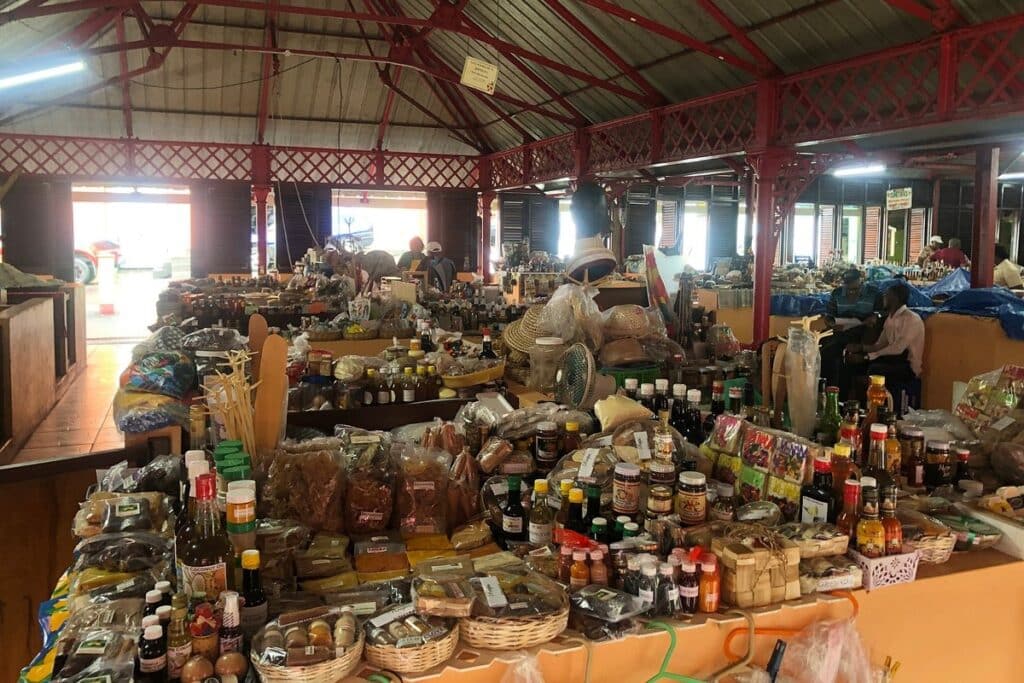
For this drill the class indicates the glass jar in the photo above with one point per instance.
(626, 489)
(661, 473)
(546, 446)
(692, 498)
(545, 354)
(938, 469)
(912, 449)
(724, 507)
(659, 501)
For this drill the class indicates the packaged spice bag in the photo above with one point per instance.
(370, 493)
(423, 491)
(789, 459)
(752, 483)
(757, 448)
(785, 494)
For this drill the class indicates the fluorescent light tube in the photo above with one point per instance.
(41, 74)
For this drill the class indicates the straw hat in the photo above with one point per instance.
(627, 320)
(521, 334)
(593, 261)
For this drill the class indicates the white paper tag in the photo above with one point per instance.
(448, 567)
(586, 470)
(363, 609)
(423, 486)
(642, 447)
(363, 439)
(400, 612)
(1002, 423)
(493, 594)
(604, 441)
(499, 488)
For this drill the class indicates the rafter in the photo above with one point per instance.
(611, 55)
(941, 18)
(672, 34)
(126, 97)
(87, 30)
(268, 70)
(389, 102)
(768, 67)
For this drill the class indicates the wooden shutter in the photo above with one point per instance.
(826, 232)
(452, 221)
(37, 225)
(916, 237)
(303, 219)
(722, 218)
(222, 224)
(542, 223)
(872, 231)
(669, 225)
(510, 219)
(640, 225)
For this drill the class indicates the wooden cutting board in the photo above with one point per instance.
(270, 407)
(257, 336)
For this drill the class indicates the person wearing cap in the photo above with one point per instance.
(1007, 273)
(854, 300)
(440, 269)
(410, 260)
(934, 244)
(952, 255)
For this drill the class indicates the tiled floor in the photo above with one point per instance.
(82, 421)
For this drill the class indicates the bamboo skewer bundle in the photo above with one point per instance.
(229, 398)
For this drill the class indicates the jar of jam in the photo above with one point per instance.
(626, 489)
(546, 446)
(659, 501)
(724, 507)
(692, 498)
(661, 473)
(938, 469)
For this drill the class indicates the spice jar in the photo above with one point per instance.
(659, 501)
(626, 489)
(938, 469)
(545, 354)
(912, 448)
(689, 586)
(546, 446)
(724, 507)
(710, 584)
(692, 498)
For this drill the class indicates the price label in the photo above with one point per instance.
(587, 466)
(642, 447)
(400, 612)
(493, 594)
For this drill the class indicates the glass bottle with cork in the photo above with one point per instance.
(664, 446)
(647, 397)
(893, 450)
(735, 404)
(565, 563)
(661, 397)
(870, 532)
(912, 451)
(571, 440)
(632, 387)
(694, 425)
(206, 553)
(486, 346)
(963, 468)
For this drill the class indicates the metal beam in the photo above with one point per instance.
(126, 96)
(385, 117)
(89, 28)
(672, 34)
(268, 70)
(655, 97)
(986, 215)
(768, 67)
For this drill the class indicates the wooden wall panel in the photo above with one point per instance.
(38, 227)
(452, 221)
(28, 380)
(221, 212)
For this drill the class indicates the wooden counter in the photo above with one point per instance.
(28, 379)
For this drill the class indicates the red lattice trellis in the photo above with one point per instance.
(408, 170)
(63, 156)
(899, 89)
(623, 145)
(507, 168)
(553, 158)
(990, 70)
(329, 167)
(174, 161)
(721, 125)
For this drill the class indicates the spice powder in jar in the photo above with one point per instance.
(692, 498)
(626, 489)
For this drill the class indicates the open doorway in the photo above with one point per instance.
(373, 220)
(130, 241)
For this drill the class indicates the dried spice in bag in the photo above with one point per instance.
(423, 491)
(371, 483)
(789, 459)
(757, 448)
(463, 489)
(493, 453)
(727, 434)
(308, 487)
(752, 483)
(785, 494)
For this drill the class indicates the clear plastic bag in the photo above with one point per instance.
(99, 655)
(170, 373)
(572, 315)
(423, 491)
(803, 367)
(525, 669)
(130, 552)
(370, 492)
(308, 487)
(463, 489)
(990, 397)
(137, 412)
(827, 652)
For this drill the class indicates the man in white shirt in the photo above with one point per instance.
(1007, 273)
(899, 350)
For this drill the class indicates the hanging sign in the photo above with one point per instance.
(479, 75)
(898, 198)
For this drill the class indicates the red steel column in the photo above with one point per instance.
(764, 243)
(986, 172)
(483, 259)
(260, 193)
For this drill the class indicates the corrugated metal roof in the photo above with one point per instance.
(214, 94)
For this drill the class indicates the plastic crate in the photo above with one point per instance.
(887, 571)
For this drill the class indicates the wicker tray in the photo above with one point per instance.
(492, 633)
(474, 378)
(325, 672)
(810, 548)
(887, 571)
(412, 660)
(371, 328)
(932, 549)
(323, 335)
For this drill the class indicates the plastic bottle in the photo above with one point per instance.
(689, 587)
(598, 569)
(668, 600)
(631, 581)
(152, 656)
(565, 564)
(579, 575)
(710, 585)
(647, 586)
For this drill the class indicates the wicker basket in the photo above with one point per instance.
(400, 329)
(474, 378)
(323, 335)
(492, 633)
(413, 660)
(370, 330)
(932, 549)
(325, 672)
(887, 571)
(818, 548)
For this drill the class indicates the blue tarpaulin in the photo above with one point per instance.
(797, 306)
(956, 281)
(995, 302)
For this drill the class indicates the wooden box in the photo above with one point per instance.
(755, 577)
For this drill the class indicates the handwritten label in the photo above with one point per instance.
(493, 594)
(642, 447)
(400, 612)
(479, 75)
(587, 466)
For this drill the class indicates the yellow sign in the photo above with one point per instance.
(479, 75)
(898, 198)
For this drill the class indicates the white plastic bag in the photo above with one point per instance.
(803, 367)
(523, 670)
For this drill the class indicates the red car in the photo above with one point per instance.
(87, 260)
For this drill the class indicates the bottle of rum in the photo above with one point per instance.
(206, 552)
(541, 519)
(487, 348)
(513, 522)
(254, 607)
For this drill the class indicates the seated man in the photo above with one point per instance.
(899, 350)
(855, 300)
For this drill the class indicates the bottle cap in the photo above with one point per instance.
(630, 383)
(564, 486)
(251, 559)
(153, 632)
(688, 566)
(627, 469)
(842, 450)
(647, 389)
(206, 487)
(514, 482)
(623, 519)
(866, 482)
(153, 596)
(163, 586)
(566, 550)
(540, 486)
(661, 384)
(596, 556)
(546, 426)
(851, 486)
(163, 612)
(693, 396)
(878, 431)
(726, 490)
(735, 392)
(575, 495)
(913, 432)
(832, 390)
(877, 380)
(708, 567)
(674, 560)
(240, 496)
(579, 555)
(649, 569)
(194, 456)
(718, 386)
(408, 371)
(938, 445)
(665, 569)
(572, 426)
(632, 526)
(241, 485)
(962, 454)
(692, 479)
(599, 521)
(195, 469)
(679, 390)
(150, 620)
(822, 465)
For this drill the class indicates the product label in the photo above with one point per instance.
(409, 641)
(367, 398)
(546, 449)
(663, 446)
(363, 609)
(499, 488)
(127, 509)
(575, 582)
(230, 644)
(367, 516)
(94, 646)
(626, 497)
(177, 656)
(642, 447)
(604, 595)
(400, 612)
(586, 470)
(364, 439)
(540, 534)
(691, 507)
(834, 583)
(253, 618)
(409, 395)
(918, 476)
(383, 397)
(511, 525)
(813, 510)
(673, 594)
(148, 666)
(423, 486)
(688, 591)
(1002, 423)
(493, 595)
(210, 579)
(241, 513)
(646, 596)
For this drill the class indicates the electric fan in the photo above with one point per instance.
(577, 382)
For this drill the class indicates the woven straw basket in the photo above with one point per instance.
(493, 633)
(932, 549)
(412, 660)
(325, 672)
(318, 335)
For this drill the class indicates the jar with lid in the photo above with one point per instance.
(545, 354)
(659, 501)
(692, 498)
(546, 446)
(938, 469)
(661, 473)
(912, 448)
(626, 489)
(724, 507)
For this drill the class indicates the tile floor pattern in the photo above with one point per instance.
(82, 421)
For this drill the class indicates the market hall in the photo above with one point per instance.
(518, 340)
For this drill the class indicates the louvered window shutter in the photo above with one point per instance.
(511, 220)
(826, 232)
(669, 224)
(916, 233)
(872, 230)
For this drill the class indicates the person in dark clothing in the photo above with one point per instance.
(410, 260)
(441, 271)
(899, 352)
(854, 300)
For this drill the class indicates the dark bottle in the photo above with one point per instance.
(748, 401)
(717, 405)
(254, 607)
(593, 506)
(694, 425)
(963, 470)
(487, 350)
(426, 341)
(689, 586)
(206, 551)
(829, 420)
(513, 516)
(632, 387)
(735, 405)
(599, 530)
(878, 459)
(678, 418)
(821, 397)
(647, 397)
(661, 398)
(817, 499)
(152, 656)
(153, 600)
(574, 521)
(230, 635)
